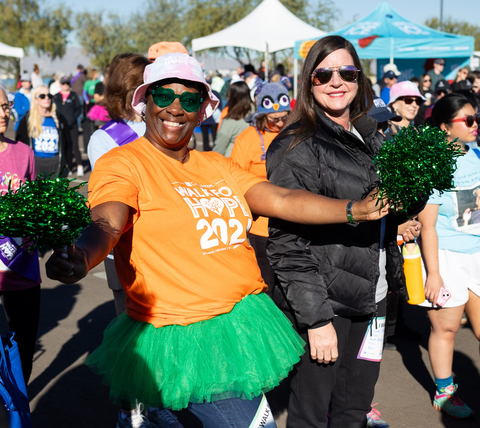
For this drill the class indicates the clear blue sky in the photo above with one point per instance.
(415, 10)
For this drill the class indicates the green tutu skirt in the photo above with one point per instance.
(239, 354)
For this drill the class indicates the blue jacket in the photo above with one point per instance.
(22, 105)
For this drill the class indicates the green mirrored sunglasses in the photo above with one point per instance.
(190, 101)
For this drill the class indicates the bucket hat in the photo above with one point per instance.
(175, 66)
(404, 89)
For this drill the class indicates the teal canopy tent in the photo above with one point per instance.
(386, 35)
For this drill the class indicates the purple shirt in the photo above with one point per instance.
(16, 164)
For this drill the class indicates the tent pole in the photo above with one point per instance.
(295, 78)
(391, 50)
(266, 61)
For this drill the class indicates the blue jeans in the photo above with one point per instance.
(234, 413)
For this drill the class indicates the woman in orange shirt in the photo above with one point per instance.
(198, 331)
(249, 151)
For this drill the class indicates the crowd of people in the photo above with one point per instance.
(274, 258)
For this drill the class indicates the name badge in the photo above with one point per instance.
(372, 345)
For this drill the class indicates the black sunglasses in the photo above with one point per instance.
(43, 96)
(278, 119)
(411, 100)
(323, 75)
(469, 120)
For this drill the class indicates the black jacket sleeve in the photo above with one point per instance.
(22, 131)
(288, 249)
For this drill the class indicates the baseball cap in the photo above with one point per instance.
(26, 78)
(391, 67)
(439, 61)
(64, 80)
(381, 113)
(390, 75)
(404, 89)
(162, 48)
(175, 66)
(442, 85)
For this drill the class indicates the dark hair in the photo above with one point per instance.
(124, 76)
(446, 108)
(414, 80)
(470, 96)
(249, 67)
(475, 74)
(420, 82)
(239, 101)
(304, 112)
(261, 122)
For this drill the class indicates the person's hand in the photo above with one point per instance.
(323, 344)
(432, 287)
(467, 215)
(371, 208)
(67, 265)
(410, 230)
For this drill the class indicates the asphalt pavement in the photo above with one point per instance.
(65, 394)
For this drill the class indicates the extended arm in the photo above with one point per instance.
(301, 206)
(71, 264)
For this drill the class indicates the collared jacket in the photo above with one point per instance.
(333, 269)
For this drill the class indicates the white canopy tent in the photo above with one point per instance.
(6, 50)
(270, 27)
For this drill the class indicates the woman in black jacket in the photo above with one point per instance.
(70, 107)
(334, 277)
(46, 132)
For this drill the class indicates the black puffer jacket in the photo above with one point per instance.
(330, 269)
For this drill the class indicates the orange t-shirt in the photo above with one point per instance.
(247, 152)
(222, 116)
(183, 256)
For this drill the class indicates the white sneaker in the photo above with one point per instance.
(135, 420)
(80, 171)
(164, 418)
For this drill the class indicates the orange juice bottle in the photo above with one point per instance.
(412, 267)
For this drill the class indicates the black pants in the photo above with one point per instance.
(88, 130)
(74, 149)
(259, 244)
(344, 389)
(22, 310)
(206, 143)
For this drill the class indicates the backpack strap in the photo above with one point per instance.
(120, 132)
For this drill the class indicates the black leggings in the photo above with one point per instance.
(22, 310)
(346, 387)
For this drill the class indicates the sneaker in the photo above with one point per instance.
(80, 171)
(164, 418)
(135, 420)
(451, 404)
(374, 420)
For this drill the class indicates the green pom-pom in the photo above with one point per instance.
(47, 211)
(414, 163)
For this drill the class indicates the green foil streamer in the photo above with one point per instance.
(414, 163)
(46, 211)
